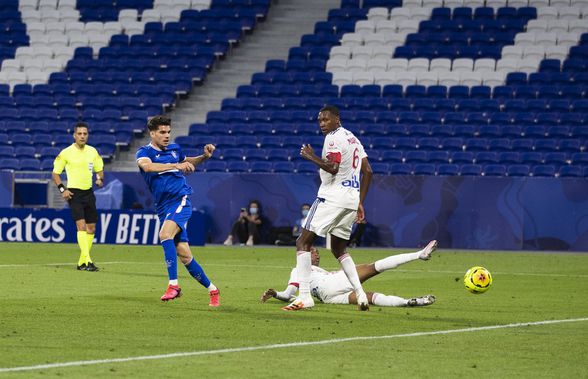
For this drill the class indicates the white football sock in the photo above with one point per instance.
(394, 261)
(303, 263)
(211, 287)
(349, 268)
(388, 300)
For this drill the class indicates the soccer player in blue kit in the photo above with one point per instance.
(163, 166)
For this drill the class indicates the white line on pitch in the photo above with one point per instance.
(284, 345)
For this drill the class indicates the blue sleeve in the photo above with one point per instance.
(142, 153)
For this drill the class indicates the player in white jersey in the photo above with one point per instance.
(345, 178)
(334, 288)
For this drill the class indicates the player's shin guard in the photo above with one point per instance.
(169, 250)
(395, 261)
(198, 273)
(83, 244)
(90, 243)
(303, 267)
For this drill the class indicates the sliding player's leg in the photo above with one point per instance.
(382, 300)
(394, 261)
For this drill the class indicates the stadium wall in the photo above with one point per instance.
(490, 213)
(497, 213)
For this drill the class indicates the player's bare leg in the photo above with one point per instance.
(338, 247)
(303, 267)
(394, 301)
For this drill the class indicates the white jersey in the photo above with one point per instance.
(342, 189)
(316, 274)
(330, 287)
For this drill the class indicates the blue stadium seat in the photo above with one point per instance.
(531, 158)
(306, 167)
(9, 164)
(452, 144)
(448, 169)
(470, 170)
(462, 157)
(544, 170)
(22, 152)
(555, 158)
(379, 168)
(518, 170)
(400, 169)
(486, 157)
(261, 167)
(424, 169)
(494, 170)
(545, 145)
(278, 155)
(284, 167)
(392, 156)
(215, 166)
(238, 166)
(416, 157)
(30, 164)
(232, 154)
(6, 151)
(569, 145)
(571, 171)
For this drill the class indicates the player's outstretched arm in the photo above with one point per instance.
(330, 166)
(206, 154)
(366, 179)
(146, 165)
(286, 295)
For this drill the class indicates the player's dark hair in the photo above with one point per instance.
(156, 121)
(331, 109)
(80, 125)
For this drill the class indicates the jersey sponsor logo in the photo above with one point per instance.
(353, 182)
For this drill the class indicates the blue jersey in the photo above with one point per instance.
(167, 186)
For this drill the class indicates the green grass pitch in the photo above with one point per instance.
(51, 313)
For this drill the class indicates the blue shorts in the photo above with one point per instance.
(180, 213)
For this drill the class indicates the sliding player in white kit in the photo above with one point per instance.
(334, 288)
(345, 178)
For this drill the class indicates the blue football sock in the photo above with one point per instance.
(198, 273)
(171, 259)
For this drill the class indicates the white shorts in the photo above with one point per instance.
(324, 218)
(333, 289)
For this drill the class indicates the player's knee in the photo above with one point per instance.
(165, 235)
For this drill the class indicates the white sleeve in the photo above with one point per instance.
(287, 294)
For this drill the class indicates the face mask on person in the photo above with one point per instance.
(304, 212)
(253, 211)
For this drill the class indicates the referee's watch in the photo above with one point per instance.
(61, 188)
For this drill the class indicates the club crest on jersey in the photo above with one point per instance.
(353, 182)
(331, 144)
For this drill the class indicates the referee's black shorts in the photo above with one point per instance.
(83, 205)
